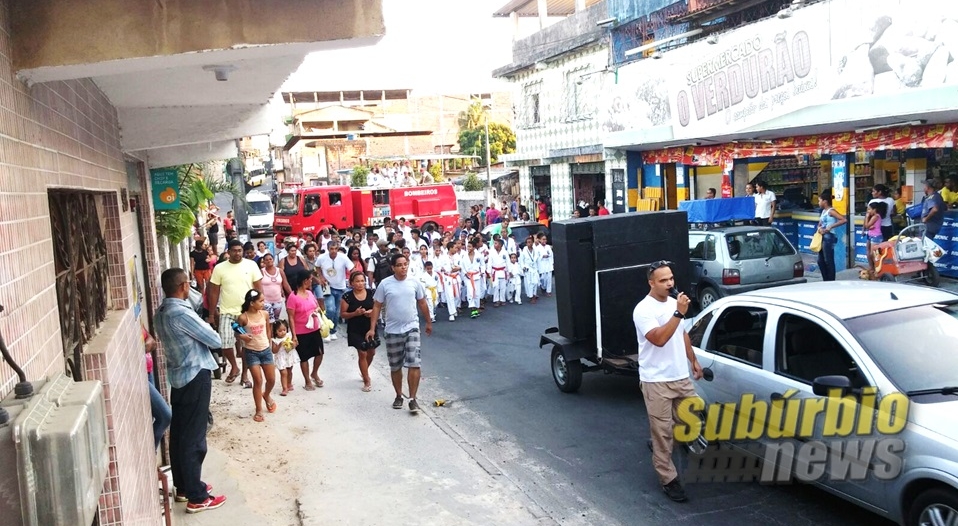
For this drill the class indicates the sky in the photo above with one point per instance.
(432, 46)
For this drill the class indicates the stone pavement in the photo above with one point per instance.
(338, 455)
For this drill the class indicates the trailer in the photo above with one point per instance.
(600, 276)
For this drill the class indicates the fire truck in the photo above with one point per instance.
(310, 209)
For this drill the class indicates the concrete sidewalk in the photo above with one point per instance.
(338, 455)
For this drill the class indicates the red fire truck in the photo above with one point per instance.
(310, 209)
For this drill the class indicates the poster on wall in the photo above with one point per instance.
(166, 184)
(752, 75)
(893, 46)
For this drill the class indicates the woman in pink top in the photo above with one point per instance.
(272, 287)
(301, 305)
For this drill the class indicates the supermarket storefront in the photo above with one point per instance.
(823, 99)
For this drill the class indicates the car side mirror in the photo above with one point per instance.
(824, 385)
(707, 374)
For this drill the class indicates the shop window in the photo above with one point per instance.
(534, 108)
(531, 104)
(82, 271)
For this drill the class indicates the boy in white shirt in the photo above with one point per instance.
(529, 265)
(431, 282)
(498, 262)
(450, 269)
(545, 263)
(514, 285)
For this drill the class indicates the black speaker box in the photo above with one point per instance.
(617, 250)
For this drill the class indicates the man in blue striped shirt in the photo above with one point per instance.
(187, 340)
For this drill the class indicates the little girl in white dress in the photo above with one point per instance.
(286, 356)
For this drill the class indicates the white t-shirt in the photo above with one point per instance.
(885, 221)
(763, 204)
(659, 364)
(399, 300)
(335, 271)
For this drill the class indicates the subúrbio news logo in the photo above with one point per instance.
(835, 438)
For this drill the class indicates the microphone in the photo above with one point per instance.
(674, 293)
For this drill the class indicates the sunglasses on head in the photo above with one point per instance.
(659, 264)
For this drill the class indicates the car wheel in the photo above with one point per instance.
(931, 276)
(567, 374)
(934, 506)
(707, 296)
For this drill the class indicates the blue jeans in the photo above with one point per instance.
(332, 306)
(826, 257)
(162, 414)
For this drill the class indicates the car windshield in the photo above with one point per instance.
(758, 244)
(287, 205)
(260, 207)
(914, 347)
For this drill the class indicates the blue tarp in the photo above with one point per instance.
(719, 210)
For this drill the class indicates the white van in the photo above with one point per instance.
(260, 218)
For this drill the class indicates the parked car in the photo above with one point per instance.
(732, 260)
(802, 341)
(521, 229)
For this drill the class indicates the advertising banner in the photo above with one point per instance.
(166, 184)
(750, 76)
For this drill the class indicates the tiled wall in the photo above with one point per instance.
(66, 135)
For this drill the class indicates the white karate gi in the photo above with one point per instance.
(431, 282)
(473, 273)
(545, 267)
(529, 264)
(514, 285)
(498, 263)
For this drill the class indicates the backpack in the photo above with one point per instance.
(381, 268)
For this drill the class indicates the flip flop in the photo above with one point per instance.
(367, 388)
(271, 407)
(317, 381)
(310, 387)
(258, 417)
(284, 393)
(231, 378)
(247, 385)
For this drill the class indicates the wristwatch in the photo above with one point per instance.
(678, 315)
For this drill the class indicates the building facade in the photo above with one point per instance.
(85, 114)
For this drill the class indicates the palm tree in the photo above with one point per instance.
(473, 116)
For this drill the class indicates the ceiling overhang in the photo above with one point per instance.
(165, 92)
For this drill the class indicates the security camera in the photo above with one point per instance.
(222, 73)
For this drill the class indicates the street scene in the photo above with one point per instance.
(521, 262)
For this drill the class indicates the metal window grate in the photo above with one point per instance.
(81, 262)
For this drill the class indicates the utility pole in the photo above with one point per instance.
(488, 162)
(235, 167)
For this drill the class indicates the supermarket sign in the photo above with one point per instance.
(755, 74)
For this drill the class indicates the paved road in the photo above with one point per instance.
(582, 457)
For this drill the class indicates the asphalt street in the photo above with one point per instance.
(582, 457)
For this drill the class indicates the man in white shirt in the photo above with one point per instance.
(334, 270)
(764, 204)
(664, 349)
(367, 248)
(381, 231)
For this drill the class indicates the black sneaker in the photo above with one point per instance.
(675, 491)
(413, 406)
(397, 403)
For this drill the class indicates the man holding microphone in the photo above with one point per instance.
(664, 349)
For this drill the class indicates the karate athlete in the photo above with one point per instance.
(545, 263)
(529, 263)
(437, 254)
(474, 270)
(417, 261)
(450, 270)
(514, 287)
(430, 280)
(498, 261)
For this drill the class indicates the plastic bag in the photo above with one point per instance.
(816, 244)
(326, 325)
(933, 251)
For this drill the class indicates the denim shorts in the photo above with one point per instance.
(258, 357)
(875, 239)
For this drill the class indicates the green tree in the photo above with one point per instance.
(435, 169)
(502, 140)
(472, 183)
(358, 177)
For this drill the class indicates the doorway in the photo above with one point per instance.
(669, 184)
